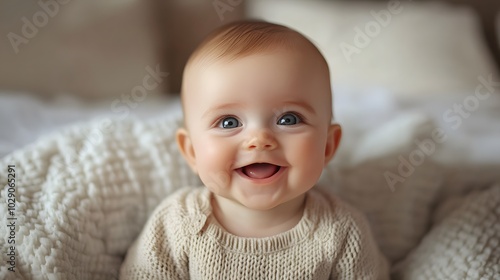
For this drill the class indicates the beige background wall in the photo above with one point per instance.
(91, 48)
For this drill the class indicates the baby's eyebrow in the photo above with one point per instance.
(302, 104)
(226, 106)
(220, 107)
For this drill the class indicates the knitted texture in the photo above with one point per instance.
(464, 243)
(332, 241)
(84, 194)
(400, 218)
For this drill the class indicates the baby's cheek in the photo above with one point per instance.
(309, 148)
(214, 160)
(311, 156)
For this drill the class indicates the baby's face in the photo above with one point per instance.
(258, 127)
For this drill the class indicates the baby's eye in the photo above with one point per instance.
(229, 122)
(289, 119)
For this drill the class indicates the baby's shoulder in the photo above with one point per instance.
(185, 199)
(185, 210)
(334, 212)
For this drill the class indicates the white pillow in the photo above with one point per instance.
(410, 48)
(465, 244)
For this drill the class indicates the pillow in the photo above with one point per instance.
(463, 244)
(412, 49)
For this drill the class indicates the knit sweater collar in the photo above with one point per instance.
(292, 237)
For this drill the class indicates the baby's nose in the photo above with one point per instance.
(262, 140)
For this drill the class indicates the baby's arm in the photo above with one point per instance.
(158, 253)
(359, 256)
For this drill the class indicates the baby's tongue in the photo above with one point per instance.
(260, 170)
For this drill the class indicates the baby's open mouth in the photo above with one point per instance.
(260, 170)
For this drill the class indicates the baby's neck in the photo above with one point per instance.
(244, 222)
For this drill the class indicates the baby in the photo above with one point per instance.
(258, 108)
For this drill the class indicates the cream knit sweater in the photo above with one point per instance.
(331, 241)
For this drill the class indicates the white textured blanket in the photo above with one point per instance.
(83, 195)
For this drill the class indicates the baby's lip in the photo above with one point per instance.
(243, 164)
(259, 170)
(257, 162)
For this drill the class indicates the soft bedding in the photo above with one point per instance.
(81, 202)
(463, 243)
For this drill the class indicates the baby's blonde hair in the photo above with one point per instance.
(242, 38)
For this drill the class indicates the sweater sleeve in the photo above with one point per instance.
(359, 256)
(158, 253)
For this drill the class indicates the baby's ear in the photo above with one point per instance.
(186, 147)
(332, 141)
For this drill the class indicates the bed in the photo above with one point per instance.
(418, 99)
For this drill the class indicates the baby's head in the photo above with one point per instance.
(246, 38)
(258, 109)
